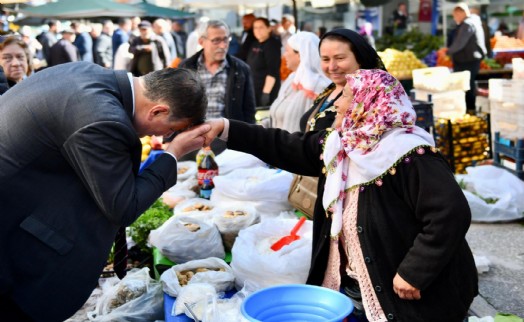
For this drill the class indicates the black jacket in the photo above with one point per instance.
(465, 47)
(240, 95)
(3, 82)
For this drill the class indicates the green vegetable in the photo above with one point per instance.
(151, 219)
(463, 186)
(419, 43)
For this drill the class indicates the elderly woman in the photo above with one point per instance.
(302, 86)
(390, 216)
(15, 59)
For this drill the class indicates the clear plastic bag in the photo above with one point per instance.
(219, 275)
(136, 298)
(182, 239)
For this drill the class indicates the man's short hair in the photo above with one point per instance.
(202, 30)
(52, 23)
(123, 21)
(181, 89)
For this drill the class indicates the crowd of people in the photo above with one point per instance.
(390, 219)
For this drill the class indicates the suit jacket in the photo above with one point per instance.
(103, 50)
(62, 52)
(84, 43)
(3, 82)
(69, 160)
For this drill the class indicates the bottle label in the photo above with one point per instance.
(205, 193)
(206, 174)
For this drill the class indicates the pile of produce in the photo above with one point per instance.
(506, 48)
(489, 63)
(443, 59)
(150, 143)
(152, 218)
(419, 43)
(400, 63)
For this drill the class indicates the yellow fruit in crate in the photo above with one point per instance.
(145, 139)
(146, 148)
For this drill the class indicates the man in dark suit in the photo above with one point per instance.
(49, 38)
(3, 82)
(63, 51)
(69, 159)
(83, 42)
(248, 37)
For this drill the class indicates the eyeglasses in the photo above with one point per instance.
(218, 41)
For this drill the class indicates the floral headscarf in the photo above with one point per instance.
(377, 130)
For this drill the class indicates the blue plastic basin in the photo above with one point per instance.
(296, 302)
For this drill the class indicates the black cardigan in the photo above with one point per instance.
(414, 223)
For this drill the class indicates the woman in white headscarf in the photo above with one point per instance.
(302, 86)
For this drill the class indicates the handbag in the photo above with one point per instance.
(303, 194)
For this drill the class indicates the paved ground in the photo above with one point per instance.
(502, 287)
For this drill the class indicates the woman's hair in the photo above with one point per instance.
(264, 20)
(17, 40)
(366, 56)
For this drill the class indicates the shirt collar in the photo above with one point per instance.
(201, 63)
(130, 76)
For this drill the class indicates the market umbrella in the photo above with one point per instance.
(78, 9)
(12, 1)
(151, 10)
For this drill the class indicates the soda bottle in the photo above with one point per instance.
(202, 153)
(208, 168)
(206, 189)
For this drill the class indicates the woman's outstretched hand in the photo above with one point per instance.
(405, 290)
(217, 126)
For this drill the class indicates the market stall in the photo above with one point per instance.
(233, 239)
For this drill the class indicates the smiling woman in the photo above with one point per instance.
(15, 59)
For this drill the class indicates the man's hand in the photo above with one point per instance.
(217, 126)
(405, 290)
(189, 140)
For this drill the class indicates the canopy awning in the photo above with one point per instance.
(79, 9)
(151, 10)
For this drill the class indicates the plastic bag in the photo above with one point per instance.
(231, 218)
(135, 298)
(182, 239)
(254, 261)
(227, 309)
(186, 170)
(230, 160)
(200, 208)
(497, 184)
(219, 275)
(195, 295)
(265, 189)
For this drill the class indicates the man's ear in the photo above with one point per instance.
(158, 110)
(201, 41)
